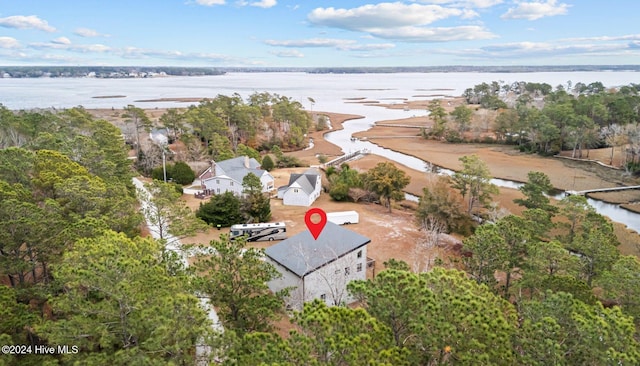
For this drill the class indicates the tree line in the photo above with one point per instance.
(222, 128)
(546, 120)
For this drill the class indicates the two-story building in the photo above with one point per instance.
(227, 175)
(319, 268)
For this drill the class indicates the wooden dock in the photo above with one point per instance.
(344, 158)
(612, 189)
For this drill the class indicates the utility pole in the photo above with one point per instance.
(164, 164)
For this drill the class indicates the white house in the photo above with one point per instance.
(227, 175)
(319, 269)
(302, 190)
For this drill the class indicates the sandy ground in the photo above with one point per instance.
(393, 235)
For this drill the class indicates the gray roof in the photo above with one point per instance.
(307, 180)
(301, 254)
(236, 170)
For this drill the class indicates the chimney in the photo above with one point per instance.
(213, 168)
(246, 162)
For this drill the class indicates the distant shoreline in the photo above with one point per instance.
(120, 72)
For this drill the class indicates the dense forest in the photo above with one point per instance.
(77, 271)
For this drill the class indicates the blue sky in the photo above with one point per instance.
(309, 33)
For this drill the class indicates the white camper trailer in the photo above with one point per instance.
(343, 217)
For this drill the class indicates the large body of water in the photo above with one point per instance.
(329, 92)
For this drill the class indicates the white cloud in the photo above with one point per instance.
(473, 4)
(60, 44)
(369, 47)
(405, 22)
(313, 42)
(141, 53)
(26, 22)
(536, 10)
(264, 3)
(383, 15)
(9, 42)
(541, 50)
(627, 37)
(288, 54)
(210, 2)
(436, 34)
(340, 44)
(61, 40)
(87, 33)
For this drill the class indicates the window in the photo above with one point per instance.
(217, 181)
(347, 271)
(360, 254)
(218, 190)
(359, 267)
(323, 297)
(295, 190)
(231, 184)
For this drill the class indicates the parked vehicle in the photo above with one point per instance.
(260, 232)
(343, 217)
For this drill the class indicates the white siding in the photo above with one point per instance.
(296, 196)
(219, 185)
(332, 279)
(268, 183)
(287, 280)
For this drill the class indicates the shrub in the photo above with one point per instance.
(267, 163)
(286, 161)
(322, 123)
(182, 173)
(222, 209)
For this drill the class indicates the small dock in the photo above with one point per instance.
(612, 189)
(345, 158)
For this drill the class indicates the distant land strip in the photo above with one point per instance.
(111, 72)
(108, 96)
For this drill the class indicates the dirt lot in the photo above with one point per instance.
(393, 235)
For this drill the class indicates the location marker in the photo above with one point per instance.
(315, 228)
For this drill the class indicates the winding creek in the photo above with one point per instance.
(342, 138)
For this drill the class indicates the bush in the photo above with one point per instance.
(289, 162)
(222, 209)
(179, 172)
(182, 173)
(158, 173)
(322, 158)
(452, 136)
(322, 123)
(267, 163)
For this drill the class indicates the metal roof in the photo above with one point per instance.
(301, 254)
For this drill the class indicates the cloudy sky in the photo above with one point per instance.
(310, 33)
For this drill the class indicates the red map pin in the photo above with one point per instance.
(315, 228)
